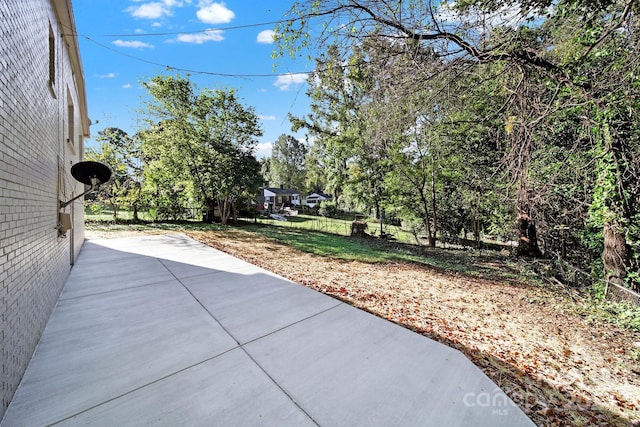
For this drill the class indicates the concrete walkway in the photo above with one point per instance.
(162, 330)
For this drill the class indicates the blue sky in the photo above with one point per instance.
(124, 42)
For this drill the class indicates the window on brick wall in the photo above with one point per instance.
(71, 134)
(52, 60)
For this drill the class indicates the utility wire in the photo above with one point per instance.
(170, 67)
(186, 70)
(236, 27)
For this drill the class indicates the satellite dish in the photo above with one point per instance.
(89, 173)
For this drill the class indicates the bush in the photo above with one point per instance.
(328, 210)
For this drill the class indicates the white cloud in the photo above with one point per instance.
(155, 9)
(214, 13)
(269, 118)
(107, 76)
(173, 3)
(285, 81)
(509, 15)
(136, 44)
(199, 38)
(127, 86)
(264, 149)
(152, 10)
(266, 36)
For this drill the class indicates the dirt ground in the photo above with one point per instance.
(561, 369)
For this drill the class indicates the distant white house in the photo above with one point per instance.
(279, 197)
(314, 199)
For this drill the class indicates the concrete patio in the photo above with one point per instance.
(162, 330)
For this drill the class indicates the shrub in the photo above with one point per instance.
(328, 210)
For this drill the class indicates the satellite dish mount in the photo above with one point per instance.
(89, 173)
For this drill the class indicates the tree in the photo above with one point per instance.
(130, 153)
(113, 193)
(572, 55)
(338, 90)
(122, 153)
(599, 47)
(205, 137)
(265, 170)
(170, 191)
(417, 30)
(315, 179)
(287, 166)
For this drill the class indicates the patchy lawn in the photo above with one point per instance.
(561, 367)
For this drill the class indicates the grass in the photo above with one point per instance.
(106, 215)
(489, 265)
(340, 226)
(307, 238)
(332, 245)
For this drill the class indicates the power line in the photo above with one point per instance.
(170, 67)
(235, 27)
(186, 70)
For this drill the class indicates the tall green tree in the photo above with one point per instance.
(122, 153)
(338, 89)
(287, 165)
(315, 179)
(130, 150)
(114, 192)
(204, 136)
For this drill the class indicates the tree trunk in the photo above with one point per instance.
(358, 229)
(211, 209)
(528, 239)
(432, 238)
(476, 232)
(225, 210)
(427, 222)
(114, 208)
(222, 207)
(615, 254)
(136, 202)
(234, 212)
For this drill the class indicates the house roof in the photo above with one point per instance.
(285, 191)
(318, 195)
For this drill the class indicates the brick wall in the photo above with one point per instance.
(35, 158)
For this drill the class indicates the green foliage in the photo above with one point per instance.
(122, 154)
(331, 245)
(337, 91)
(622, 314)
(473, 124)
(328, 209)
(200, 147)
(537, 119)
(287, 166)
(602, 209)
